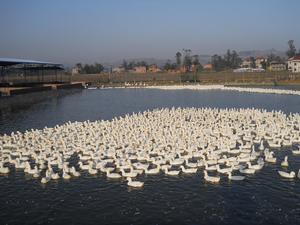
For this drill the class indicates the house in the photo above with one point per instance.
(139, 69)
(246, 63)
(118, 70)
(259, 61)
(294, 64)
(183, 69)
(208, 66)
(153, 68)
(75, 70)
(277, 66)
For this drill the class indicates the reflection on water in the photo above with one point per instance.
(261, 199)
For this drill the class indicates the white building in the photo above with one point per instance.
(75, 70)
(294, 64)
(118, 70)
(259, 61)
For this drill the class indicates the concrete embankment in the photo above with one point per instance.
(17, 90)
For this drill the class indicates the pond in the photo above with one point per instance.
(264, 198)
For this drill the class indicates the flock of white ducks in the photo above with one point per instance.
(227, 88)
(220, 143)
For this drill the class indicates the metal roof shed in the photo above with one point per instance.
(32, 65)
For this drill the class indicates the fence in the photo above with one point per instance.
(29, 77)
(213, 77)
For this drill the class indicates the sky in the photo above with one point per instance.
(88, 31)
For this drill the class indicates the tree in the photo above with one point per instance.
(125, 65)
(79, 67)
(131, 65)
(230, 60)
(218, 63)
(142, 63)
(227, 58)
(264, 65)
(178, 59)
(292, 49)
(236, 61)
(187, 60)
(252, 62)
(199, 67)
(169, 66)
(98, 68)
(195, 60)
(91, 69)
(272, 58)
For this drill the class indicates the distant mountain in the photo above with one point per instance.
(262, 53)
(149, 61)
(204, 59)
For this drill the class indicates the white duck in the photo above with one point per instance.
(45, 180)
(211, 178)
(190, 164)
(55, 176)
(296, 152)
(285, 162)
(188, 170)
(224, 170)
(247, 171)
(84, 166)
(136, 184)
(255, 166)
(171, 172)
(92, 171)
(261, 146)
(74, 172)
(210, 168)
(230, 177)
(65, 175)
(290, 175)
(130, 174)
(113, 175)
(153, 171)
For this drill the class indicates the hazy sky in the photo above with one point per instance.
(70, 31)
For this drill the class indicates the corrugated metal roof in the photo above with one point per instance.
(13, 61)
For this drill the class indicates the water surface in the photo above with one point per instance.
(187, 199)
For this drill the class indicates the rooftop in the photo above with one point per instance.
(13, 61)
(296, 57)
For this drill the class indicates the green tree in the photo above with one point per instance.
(292, 49)
(228, 58)
(142, 63)
(232, 59)
(125, 65)
(252, 62)
(131, 65)
(170, 66)
(218, 63)
(79, 66)
(178, 59)
(167, 66)
(187, 60)
(98, 68)
(264, 65)
(91, 69)
(195, 60)
(236, 61)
